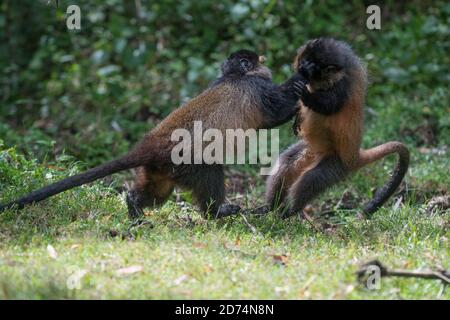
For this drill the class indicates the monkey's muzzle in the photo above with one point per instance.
(261, 59)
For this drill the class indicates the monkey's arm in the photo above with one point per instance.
(279, 102)
(327, 102)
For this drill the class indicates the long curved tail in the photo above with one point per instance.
(371, 155)
(128, 161)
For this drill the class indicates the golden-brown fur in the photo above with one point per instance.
(330, 147)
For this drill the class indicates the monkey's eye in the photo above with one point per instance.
(331, 68)
(245, 64)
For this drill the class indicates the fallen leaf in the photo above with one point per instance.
(149, 213)
(199, 245)
(75, 246)
(281, 289)
(309, 209)
(280, 258)
(208, 269)
(52, 252)
(180, 279)
(129, 270)
(55, 168)
(237, 243)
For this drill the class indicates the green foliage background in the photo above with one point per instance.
(96, 91)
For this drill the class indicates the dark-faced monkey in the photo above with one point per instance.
(243, 97)
(330, 123)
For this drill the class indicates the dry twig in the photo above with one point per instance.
(443, 275)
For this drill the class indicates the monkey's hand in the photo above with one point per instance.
(300, 89)
(302, 92)
(307, 99)
(307, 69)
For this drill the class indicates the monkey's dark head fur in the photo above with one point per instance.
(245, 62)
(324, 61)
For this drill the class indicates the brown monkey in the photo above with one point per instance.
(243, 97)
(330, 121)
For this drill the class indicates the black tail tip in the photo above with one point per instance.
(10, 206)
(370, 209)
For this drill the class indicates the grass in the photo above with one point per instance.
(83, 237)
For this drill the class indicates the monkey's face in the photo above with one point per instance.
(245, 62)
(320, 61)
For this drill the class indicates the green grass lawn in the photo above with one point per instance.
(80, 244)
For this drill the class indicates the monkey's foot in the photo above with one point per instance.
(226, 210)
(134, 210)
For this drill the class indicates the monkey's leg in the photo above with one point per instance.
(151, 188)
(277, 184)
(329, 171)
(288, 167)
(208, 188)
(210, 193)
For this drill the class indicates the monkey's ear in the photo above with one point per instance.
(298, 57)
(301, 49)
(311, 42)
